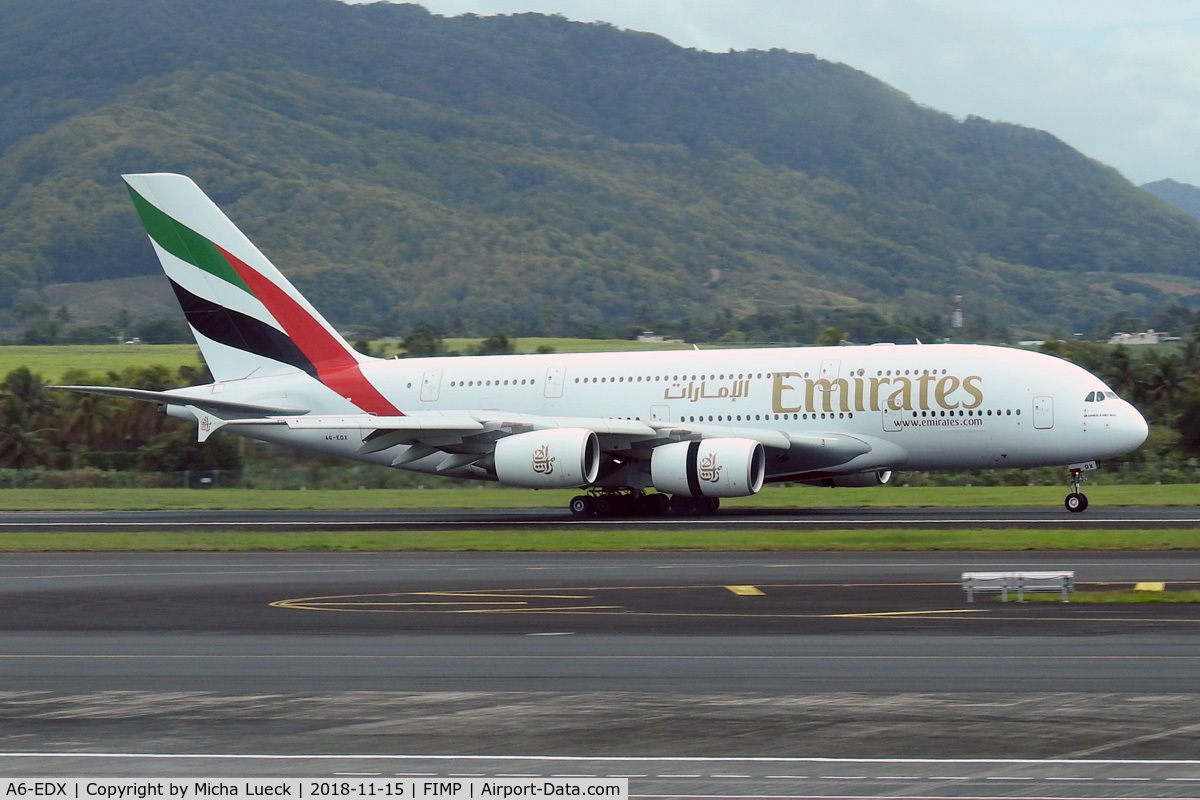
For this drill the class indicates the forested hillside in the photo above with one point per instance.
(538, 176)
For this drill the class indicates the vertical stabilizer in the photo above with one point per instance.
(247, 318)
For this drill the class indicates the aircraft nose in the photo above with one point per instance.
(1133, 429)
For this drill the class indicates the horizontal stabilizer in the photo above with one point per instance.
(222, 407)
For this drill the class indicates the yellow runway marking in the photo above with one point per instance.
(455, 603)
(745, 591)
(361, 603)
(1150, 586)
(526, 596)
(532, 610)
(906, 613)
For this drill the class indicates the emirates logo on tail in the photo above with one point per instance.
(543, 462)
(708, 468)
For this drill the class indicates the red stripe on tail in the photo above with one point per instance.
(336, 367)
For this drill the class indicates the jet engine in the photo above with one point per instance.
(709, 467)
(552, 459)
(876, 477)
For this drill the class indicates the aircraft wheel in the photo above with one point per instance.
(682, 505)
(1076, 502)
(605, 506)
(707, 505)
(662, 505)
(582, 506)
(652, 505)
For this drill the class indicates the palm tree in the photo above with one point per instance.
(30, 391)
(21, 445)
(1123, 374)
(86, 420)
(1167, 381)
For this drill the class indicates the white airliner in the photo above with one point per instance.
(694, 425)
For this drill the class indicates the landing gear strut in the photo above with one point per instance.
(619, 502)
(1076, 501)
(625, 502)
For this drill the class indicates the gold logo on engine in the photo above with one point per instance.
(708, 469)
(543, 462)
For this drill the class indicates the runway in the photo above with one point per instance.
(359, 657)
(1130, 517)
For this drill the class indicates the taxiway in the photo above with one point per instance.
(361, 656)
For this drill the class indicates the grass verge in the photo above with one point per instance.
(543, 540)
(782, 497)
(1119, 596)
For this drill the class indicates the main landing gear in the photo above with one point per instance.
(626, 502)
(1076, 501)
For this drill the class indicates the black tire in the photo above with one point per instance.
(662, 505)
(682, 505)
(1076, 502)
(652, 505)
(581, 505)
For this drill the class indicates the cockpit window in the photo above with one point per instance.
(1112, 396)
(1090, 398)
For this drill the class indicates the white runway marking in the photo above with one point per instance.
(974, 762)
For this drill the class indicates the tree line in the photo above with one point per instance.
(42, 428)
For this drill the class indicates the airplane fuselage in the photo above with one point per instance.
(942, 406)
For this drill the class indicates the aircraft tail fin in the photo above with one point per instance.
(246, 316)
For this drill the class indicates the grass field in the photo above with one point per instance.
(589, 540)
(1119, 596)
(799, 497)
(531, 345)
(52, 361)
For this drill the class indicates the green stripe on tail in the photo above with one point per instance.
(184, 243)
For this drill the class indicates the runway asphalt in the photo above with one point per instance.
(583, 656)
(732, 519)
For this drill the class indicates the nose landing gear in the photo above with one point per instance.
(1077, 501)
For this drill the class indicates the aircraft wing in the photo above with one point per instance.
(471, 435)
(463, 437)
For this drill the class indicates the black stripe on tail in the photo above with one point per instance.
(240, 331)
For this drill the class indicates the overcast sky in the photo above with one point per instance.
(1118, 80)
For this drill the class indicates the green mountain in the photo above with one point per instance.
(541, 176)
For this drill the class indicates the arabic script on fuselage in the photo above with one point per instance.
(792, 392)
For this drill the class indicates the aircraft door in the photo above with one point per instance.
(555, 378)
(830, 368)
(1043, 412)
(660, 413)
(431, 385)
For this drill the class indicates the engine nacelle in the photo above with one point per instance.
(554, 459)
(709, 467)
(876, 477)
